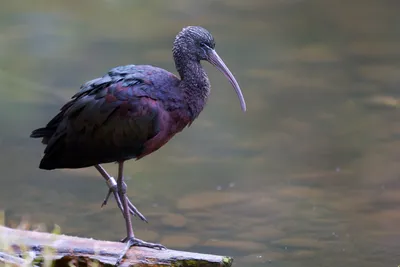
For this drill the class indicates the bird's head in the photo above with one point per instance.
(198, 44)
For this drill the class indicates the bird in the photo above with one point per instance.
(130, 112)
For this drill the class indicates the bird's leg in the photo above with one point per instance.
(112, 184)
(130, 239)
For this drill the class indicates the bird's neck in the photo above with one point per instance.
(195, 85)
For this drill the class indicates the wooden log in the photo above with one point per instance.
(19, 247)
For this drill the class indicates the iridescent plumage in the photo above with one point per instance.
(128, 113)
(131, 112)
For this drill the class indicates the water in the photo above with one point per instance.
(308, 176)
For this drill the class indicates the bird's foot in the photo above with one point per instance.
(106, 198)
(135, 242)
(132, 209)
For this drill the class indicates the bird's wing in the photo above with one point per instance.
(109, 119)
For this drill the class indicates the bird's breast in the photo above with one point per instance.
(169, 123)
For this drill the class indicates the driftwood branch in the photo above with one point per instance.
(29, 248)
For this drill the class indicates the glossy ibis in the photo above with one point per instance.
(131, 112)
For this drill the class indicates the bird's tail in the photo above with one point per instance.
(42, 132)
(46, 133)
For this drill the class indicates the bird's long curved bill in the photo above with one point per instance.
(215, 60)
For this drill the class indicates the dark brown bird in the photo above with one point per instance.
(131, 112)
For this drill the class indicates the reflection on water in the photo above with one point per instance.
(308, 176)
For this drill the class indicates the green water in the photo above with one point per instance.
(308, 176)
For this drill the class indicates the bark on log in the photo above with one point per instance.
(36, 247)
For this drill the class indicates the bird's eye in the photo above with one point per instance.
(203, 45)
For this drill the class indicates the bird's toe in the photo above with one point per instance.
(135, 242)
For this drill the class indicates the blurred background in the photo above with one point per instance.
(308, 176)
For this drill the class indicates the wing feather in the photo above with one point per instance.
(101, 125)
(122, 115)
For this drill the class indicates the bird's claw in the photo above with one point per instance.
(135, 242)
(132, 209)
(106, 199)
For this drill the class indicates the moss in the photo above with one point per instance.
(227, 261)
